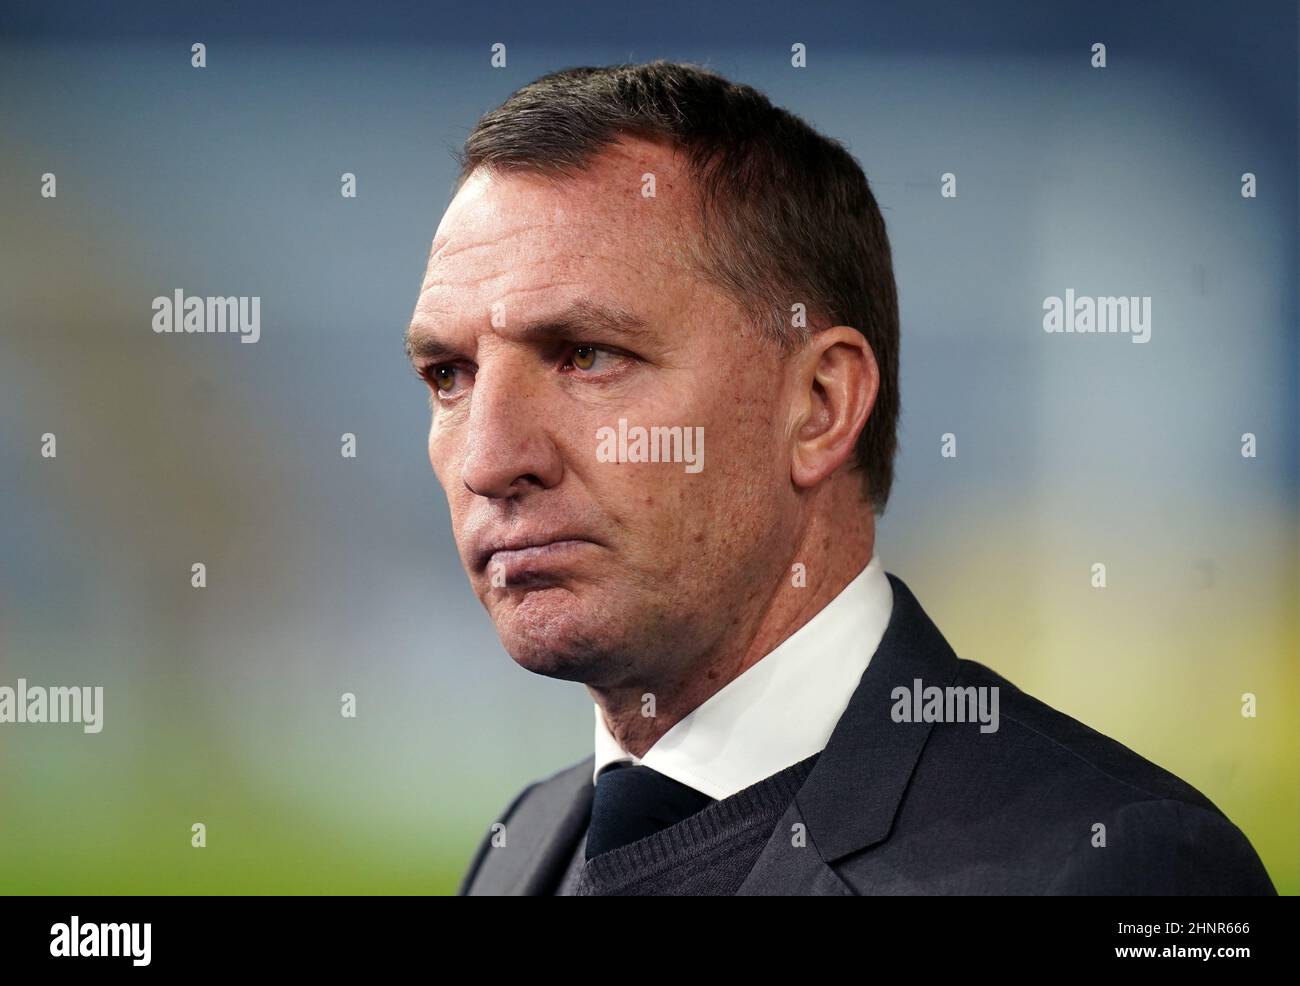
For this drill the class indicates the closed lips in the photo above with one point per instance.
(532, 546)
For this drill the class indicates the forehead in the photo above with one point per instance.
(507, 236)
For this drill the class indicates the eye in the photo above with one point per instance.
(442, 377)
(586, 358)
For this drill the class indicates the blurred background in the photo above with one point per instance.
(329, 575)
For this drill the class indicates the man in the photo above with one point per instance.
(642, 258)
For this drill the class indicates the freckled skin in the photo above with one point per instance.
(689, 583)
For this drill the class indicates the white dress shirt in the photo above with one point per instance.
(779, 711)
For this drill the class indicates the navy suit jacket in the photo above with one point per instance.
(1041, 805)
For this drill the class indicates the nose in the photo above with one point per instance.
(507, 448)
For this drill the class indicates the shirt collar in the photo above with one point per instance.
(779, 711)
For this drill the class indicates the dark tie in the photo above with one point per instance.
(633, 802)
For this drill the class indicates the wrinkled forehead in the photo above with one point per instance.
(629, 214)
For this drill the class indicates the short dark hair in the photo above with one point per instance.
(786, 214)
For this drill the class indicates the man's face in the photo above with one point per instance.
(550, 310)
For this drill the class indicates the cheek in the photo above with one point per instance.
(443, 456)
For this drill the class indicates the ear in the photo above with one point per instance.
(836, 383)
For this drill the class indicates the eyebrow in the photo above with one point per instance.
(575, 320)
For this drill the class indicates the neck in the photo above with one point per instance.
(833, 545)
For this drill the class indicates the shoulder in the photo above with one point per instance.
(1033, 737)
(1045, 804)
(530, 816)
(1165, 847)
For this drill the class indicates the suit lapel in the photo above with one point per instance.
(542, 831)
(547, 866)
(849, 800)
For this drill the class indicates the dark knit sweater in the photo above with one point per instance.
(708, 853)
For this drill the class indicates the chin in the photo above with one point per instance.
(549, 631)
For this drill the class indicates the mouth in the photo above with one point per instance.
(521, 558)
